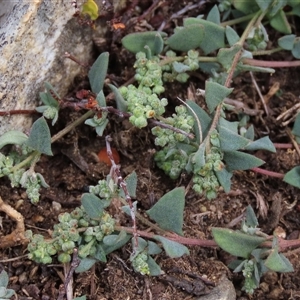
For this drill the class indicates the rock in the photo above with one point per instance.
(223, 291)
(34, 35)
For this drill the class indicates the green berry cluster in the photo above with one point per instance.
(257, 39)
(205, 181)
(143, 101)
(181, 120)
(103, 189)
(139, 263)
(248, 272)
(177, 70)
(172, 162)
(75, 229)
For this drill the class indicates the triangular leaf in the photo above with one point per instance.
(98, 72)
(101, 99)
(231, 35)
(4, 279)
(214, 94)
(120, 243)
(186, 38)
(236, 243)
(93, 205)
(153, 248)
(168, 211)
(226, 56)
(230, 140)
(281, 23)
(173, 249)
(236, 160)
(293, 177)
(278, 262)
(224, 178)
(40, 138)
(136, 42)
(287, 42)
(251, 219)
(296, 48)
(154, 268)
(85, 264)
(214, 15)
(198, 158)
(131, 181)
(100, 128)
(100, 253)
(211, 29)
(13, 137)
(261, 144)
(296, 127)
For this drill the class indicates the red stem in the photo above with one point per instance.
(271, 64)
(268, 173)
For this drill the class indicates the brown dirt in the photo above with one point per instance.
(116, 279)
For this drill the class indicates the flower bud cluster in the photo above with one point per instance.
(172, 162)
(257, 39)
(50, 112)
(140, 264)
(143, 101)
(75, 229)
(6, 163)
(181, 120)
(103, 189)
(248, 272)
(205, 181)
(177, 70)
(33, 182)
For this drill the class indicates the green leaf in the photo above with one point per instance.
(4, 279)
(98, 72)
(113, 239)
(296, 127)
(93, 205)
(100, 253)
(153, 248)
(173, 249)
(101, 99)
(261, 144)
(278, 262)
(154, 268)
(236, 160)
(287, 42)
(80, 298)
(292, 177)
(226, 56)
(242, 67)
(14, 137)
(215, 93)
(236, 243)
(90, 8)
(296, 49)
(231, 35)
(230, 140)
(263, 4)
(203, 117)
(249, 134)
(280, 23)
(180, 67)
(251, 219)
(214, 35)
(121, 240)
(100, 128)
(131, 181)
(247, 7)
(40, 138)
(198, 158)
(121, 103)
(136, 42)
(168, 211)
(214, 15)
(85, 264)
(224, 178)
(187, 38)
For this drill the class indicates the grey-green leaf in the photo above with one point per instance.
(235, 242)
(230, 140)
(287, 42)
(292, 177)
(215, 93)
(120, 242)
(154, 268)
(296, 127)
(136, 42)
(278, 262)
(261, 144)
(85, 264)
(93, 205)
(173, 249)
(296, 49)
(101, 99)
(224, 178)
(121, 103)
(187, 38)
(214, 15)
(168, 211)
(98, 72)
(40, 138)
(226, 56)
(4, 279)
(214, 35)
(236, 160)
(231, 35)
(12, 137)
(100, 253)
(251, 219)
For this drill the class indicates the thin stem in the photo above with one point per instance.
(271, 64)
(238, 20)
(268, 173)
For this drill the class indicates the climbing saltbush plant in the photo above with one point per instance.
(199, 141)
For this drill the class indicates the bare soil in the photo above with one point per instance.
(63, 172)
